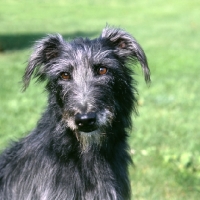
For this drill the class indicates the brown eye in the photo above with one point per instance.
(65, 76)
(102, 70)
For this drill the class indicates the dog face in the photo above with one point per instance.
(89, 80)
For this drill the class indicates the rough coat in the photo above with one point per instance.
(57, 160)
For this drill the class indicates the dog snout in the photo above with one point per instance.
(86, 122)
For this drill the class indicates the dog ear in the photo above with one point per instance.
(127, 47)
(44, 51)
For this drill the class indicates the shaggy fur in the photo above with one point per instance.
(78, 150)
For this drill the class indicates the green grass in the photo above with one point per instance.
(165, 141)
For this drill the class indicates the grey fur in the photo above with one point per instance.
(78, 150)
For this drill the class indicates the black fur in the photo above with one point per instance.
(78, 150)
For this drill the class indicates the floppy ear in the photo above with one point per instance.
(127, 47)
(44, 51)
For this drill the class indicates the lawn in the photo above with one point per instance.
(165, 140)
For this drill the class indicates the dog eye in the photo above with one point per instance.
(65, 76)
(102, 70)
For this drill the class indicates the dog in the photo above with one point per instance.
(79, 149)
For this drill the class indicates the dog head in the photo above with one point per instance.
(89, 81)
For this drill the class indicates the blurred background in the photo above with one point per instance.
(165, 140)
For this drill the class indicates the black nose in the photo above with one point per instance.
(86, 122)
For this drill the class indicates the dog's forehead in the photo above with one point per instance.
(86, 45)
(85, 42)
(90, 49)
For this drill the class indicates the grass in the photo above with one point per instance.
(165, 141)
